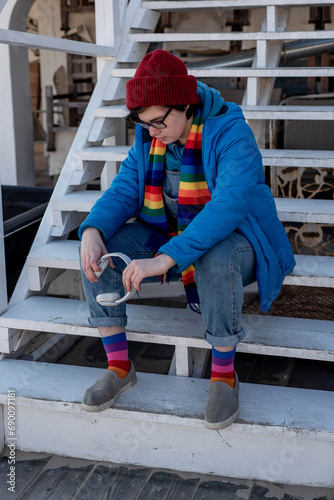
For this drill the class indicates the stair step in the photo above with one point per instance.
(160, 423)
(145, 19)
(250, 112)
(58, 254)
(288, 112)
(270, 157)
(312, 270)
(228, 36)
(297, 158)
(289, 209)
(100, 153)
(79, 201)
(63, 254)
(241, 72)
(176, 5)
(305, 210)
(111, 111)
(266, 335)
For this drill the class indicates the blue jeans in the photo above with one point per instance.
(220, 275)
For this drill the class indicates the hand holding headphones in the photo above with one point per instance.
(112, 299)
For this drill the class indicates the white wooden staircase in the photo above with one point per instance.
(283, 434)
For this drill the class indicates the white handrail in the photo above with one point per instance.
(22, 39)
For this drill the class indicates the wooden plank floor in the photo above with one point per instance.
(41, 477)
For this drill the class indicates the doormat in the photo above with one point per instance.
(299, 302)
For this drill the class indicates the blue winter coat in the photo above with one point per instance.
(240, 200)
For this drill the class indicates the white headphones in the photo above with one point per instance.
(112, 299)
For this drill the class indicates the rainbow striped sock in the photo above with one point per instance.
(222, 369)
(116, 347)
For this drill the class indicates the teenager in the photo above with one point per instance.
(194, 180)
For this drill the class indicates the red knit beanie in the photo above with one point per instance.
(161, 79)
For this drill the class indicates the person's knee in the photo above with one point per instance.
(213, 265)
(224, 258)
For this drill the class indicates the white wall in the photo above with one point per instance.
(16, 126)
(47, 14)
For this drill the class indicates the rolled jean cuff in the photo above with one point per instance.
(226, 341)
(108, 322)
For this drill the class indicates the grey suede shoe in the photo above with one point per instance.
(222, 407)
(104, 392)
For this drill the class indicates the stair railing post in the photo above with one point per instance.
(108, 27)
(108, 31)
(268, 54)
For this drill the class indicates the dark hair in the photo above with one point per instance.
(191, 111)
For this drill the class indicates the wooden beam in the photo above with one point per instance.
(30, 40)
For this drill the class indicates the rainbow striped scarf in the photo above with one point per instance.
(193, 195)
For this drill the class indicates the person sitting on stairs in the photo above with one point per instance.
(194, 180)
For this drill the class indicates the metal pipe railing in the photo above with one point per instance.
(291, 50)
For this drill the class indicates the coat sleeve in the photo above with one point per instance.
(119, 202)
(235, 166)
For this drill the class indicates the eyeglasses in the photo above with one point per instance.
(159, 124)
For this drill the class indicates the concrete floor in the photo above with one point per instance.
(42, 477)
